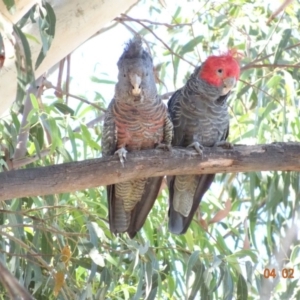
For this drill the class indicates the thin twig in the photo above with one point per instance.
(49, 85)
(238, 224)
(251, 66)
(12, 286)
(248, 38)
(167, 95)
(30, 250)
(197, 50)
(104, 30)
(159, 39)
(87, 102)
(200, 10)
(130, 29)
(58, 88)
(267, 56)
(125, 17)
(25, 126)
(111, 26)
(261, 90)
(281, 8)
(16, 164)
(49, 228)
(271, 35)
(68, 77)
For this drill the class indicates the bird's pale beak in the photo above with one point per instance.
(136, 83)
(228, 84)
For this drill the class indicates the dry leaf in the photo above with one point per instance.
(59, 278)
(203, 224)
(66, 254)
(220, 215)
(246, 245)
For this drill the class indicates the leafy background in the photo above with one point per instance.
(60, 246)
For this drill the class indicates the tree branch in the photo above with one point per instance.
(25, 126)
(269, 66)
(125, 18)
(281, 8)
(70, 177)
(157, 37)
(12, 285)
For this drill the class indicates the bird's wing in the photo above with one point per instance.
(174, 110)
(109, 138)
(193, 187)
(109, 146)
(144, 206)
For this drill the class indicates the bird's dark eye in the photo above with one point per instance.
(220, 71)
(124, 75)
(146, 74)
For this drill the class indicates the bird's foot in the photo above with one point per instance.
(122, 155)
(197, 146)
(224, 144)
(164, 146)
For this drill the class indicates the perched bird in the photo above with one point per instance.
(200, 119)
(136, 119)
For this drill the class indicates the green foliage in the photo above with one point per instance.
(10, 5)
(24, 64)
(46, 21)
(224, 260)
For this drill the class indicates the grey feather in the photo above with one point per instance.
(199, 114)
(136, 119)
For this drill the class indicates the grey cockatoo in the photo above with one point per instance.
(200, 118)
(136, 119)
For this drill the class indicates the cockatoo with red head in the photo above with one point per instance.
(200, 119)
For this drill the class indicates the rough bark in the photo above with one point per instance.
(76, 21)
(75, 176)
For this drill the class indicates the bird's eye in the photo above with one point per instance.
(124, 75)
(146, 74)
(220, 71)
